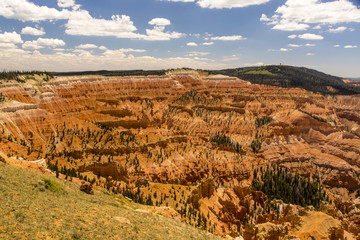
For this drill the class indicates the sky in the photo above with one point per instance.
(79, 35)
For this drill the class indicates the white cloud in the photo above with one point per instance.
(292, 36)
(296, 15)
(229, 3)
(111, 59)
(310, 54)
(285, 50)
(7, 45)
(82, 23)
(33, 31)
(317, 27)
(280, 50)
(350, 46)
(66, 3)
(24, 10)
(337, 45)
(10, 37)
(131, 50)
(203, 59)
(287, 25)
(192, 54)
(229, 38)
(338, 29)
(158, 34)
(180, 0)
(103, 48)
(86, 46)
(310, 36)
(207, 43)
(160, 22)
(264, 18)
(43, 42)
(294, 45)
(299, 45)
(191, 44)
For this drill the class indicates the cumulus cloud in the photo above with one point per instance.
(229, 38)
(86, 46)
(7, 45)
(296, 15)
(350, 46)
(24, 10)
(43, 42)
(229, 3)
(310, 36)
(207, 43)
(338, 29)
(284, 24)
(158, 34)
(33, 31)
(66, 3)
(336, 45)
(310, 54)
(10, 37)
(307, 36)
(82, 23)
(160, 22)
(191, 44)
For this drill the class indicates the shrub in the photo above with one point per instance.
(52, 185)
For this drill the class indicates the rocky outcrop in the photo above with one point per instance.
(87, 188)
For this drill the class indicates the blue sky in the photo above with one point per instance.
(74, 35)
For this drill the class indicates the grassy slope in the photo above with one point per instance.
(28, 213)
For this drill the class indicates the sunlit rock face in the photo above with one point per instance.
(162, 129)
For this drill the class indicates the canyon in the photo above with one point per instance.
(192, 141)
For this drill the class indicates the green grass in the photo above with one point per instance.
(52, 185)
(30, 212)
(259, 71)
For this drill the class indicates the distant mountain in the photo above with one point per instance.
(290, 76)
(354, 79)
(137, 72)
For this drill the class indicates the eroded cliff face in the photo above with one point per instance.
(162, 128)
